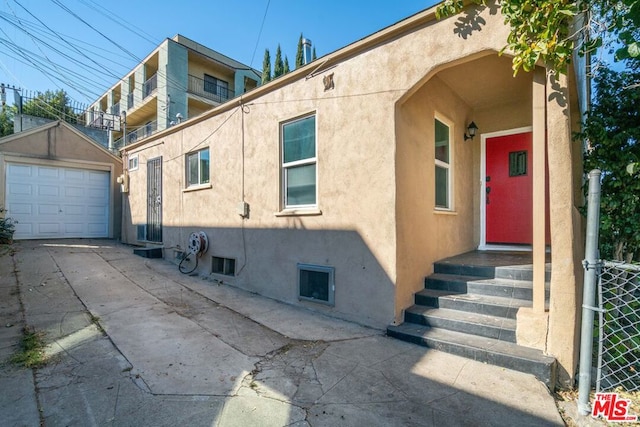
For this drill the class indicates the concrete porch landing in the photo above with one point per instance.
(491, 260)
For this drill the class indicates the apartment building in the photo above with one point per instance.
(178, 80)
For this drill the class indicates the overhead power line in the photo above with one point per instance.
(64, 40)
(264, 18)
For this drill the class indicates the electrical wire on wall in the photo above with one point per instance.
(245, 110)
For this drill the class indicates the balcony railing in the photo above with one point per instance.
(136, 135)
(102, 120)
(150, 86)
(210, 90)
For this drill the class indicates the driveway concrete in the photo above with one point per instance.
(132, 342)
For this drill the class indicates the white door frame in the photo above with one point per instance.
(483, 189)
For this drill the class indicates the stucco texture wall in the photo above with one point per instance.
(377, 224)
(425, 234)
(355, 231)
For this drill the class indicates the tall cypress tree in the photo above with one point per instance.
(313, 56)
(278, 66)
(286, 64)
(299, 54)
(266, 67)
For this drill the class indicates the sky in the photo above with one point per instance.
(85, 46)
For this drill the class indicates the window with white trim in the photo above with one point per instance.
(133, 163)
(198, 167)
(442, 165)
(299, 163)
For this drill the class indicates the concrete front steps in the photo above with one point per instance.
(470, 310)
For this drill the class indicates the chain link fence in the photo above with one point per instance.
(618, 337)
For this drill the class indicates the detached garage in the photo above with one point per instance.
(58, 183)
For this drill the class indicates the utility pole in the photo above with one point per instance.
(17, 99)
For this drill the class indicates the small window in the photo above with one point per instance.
(299, 162)
(442, 166)
(226, 266)
(316, 283)
(133, 163)
(198, 167)
(517, 163)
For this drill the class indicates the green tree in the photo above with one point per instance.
(52, 105)
(612, 130)
(286, 64)
(542, 29)
(6, 120)
(299, 53)
(314, 56)
(278, 65)
(266, 67)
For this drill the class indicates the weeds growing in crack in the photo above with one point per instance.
(96, 321)
(31, 353)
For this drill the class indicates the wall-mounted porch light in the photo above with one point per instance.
(472, 129)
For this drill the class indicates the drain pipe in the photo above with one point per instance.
(591, 265)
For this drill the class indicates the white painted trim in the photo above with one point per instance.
(302, 162)
(449, 166)
(483, 186)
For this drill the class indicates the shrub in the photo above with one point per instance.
(7, 228)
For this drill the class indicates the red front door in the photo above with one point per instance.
(509, 189)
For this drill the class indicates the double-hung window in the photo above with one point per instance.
(299, 162)
(198, 167)
(443, 165)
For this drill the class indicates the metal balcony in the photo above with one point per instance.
(213, 91)
(136, 135)
(150, 86)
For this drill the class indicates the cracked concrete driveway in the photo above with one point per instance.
(132, 342)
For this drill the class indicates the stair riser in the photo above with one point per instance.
(458, 326)
(465, 270)
(458, 286)
(518, 273)
(500, 291)
(546, 373)
(476, 307)
(468, 306)
(488, 272)
(495, 290)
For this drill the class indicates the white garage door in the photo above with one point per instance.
(54, 202)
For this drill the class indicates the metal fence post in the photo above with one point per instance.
(589, 292)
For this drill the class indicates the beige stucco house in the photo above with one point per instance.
(56, 182)
(339, 185)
